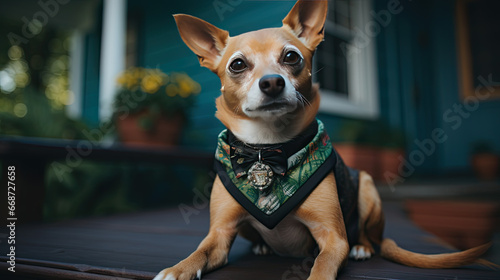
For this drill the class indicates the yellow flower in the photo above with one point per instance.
(121, 80)
(127, 80)
(186, 85)
(196, 87)
(151, 83)
(138, 72)
(172, 90)
(151, 80)
(132, 82)
(185, 88)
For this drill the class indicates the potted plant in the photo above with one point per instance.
(151, 107)
(352, 143)
(484, 161)
(391, 151)
(371, 146)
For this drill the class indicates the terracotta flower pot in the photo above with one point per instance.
(375, 161)
(165, 132)
(389, 162)
(486, 166)
(359, 157)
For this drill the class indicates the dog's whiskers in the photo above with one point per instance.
(302, 99)
(317, 71)
(236, 110)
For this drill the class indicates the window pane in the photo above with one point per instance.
(484, 31)
(341, 13)
(332, 65)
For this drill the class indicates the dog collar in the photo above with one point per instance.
(261, 162)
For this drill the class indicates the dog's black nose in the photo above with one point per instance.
(272, 85)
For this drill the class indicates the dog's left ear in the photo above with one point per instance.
(307, 21)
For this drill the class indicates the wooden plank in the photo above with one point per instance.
(132, 245)
(56, 149)
(42, 272)
(52, 270)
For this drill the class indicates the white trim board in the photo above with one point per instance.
(362, 100)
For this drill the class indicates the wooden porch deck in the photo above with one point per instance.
(137, 246)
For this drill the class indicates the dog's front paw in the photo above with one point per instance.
(174, 273)
(361, 252)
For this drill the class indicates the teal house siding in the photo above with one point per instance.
(90, 112)
(404, 81)
(481, 124)
(419, 86)
(92, 53)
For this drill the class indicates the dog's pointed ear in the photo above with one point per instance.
(204, 39)
(307, 21)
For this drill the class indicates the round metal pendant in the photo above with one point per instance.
(260, 176)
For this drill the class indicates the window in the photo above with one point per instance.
(478, 27)
(345, 61)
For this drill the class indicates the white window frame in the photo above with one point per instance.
(113, 50)
(76, 74)
(362, 99)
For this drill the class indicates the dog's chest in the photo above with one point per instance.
(289, 238)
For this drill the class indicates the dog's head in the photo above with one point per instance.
(267, 91)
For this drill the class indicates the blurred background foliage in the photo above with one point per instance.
(34, 87)
(102, 189)
(34, 92)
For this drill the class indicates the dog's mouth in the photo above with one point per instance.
(271, 106)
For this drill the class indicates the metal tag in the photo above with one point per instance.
(260, 176)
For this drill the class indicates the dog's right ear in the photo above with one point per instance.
(204, 39)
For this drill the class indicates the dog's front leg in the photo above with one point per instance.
(322, 215)
(225, 214)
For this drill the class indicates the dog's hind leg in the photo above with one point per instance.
(225, 214)
(371, 218)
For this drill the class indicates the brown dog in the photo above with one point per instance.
(268, 99)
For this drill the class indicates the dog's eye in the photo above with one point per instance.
(291, 58)
(238, 65)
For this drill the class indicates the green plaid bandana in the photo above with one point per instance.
(301, 167)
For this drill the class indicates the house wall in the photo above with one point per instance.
(90, 109)
(476, 125)
(419, 86)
